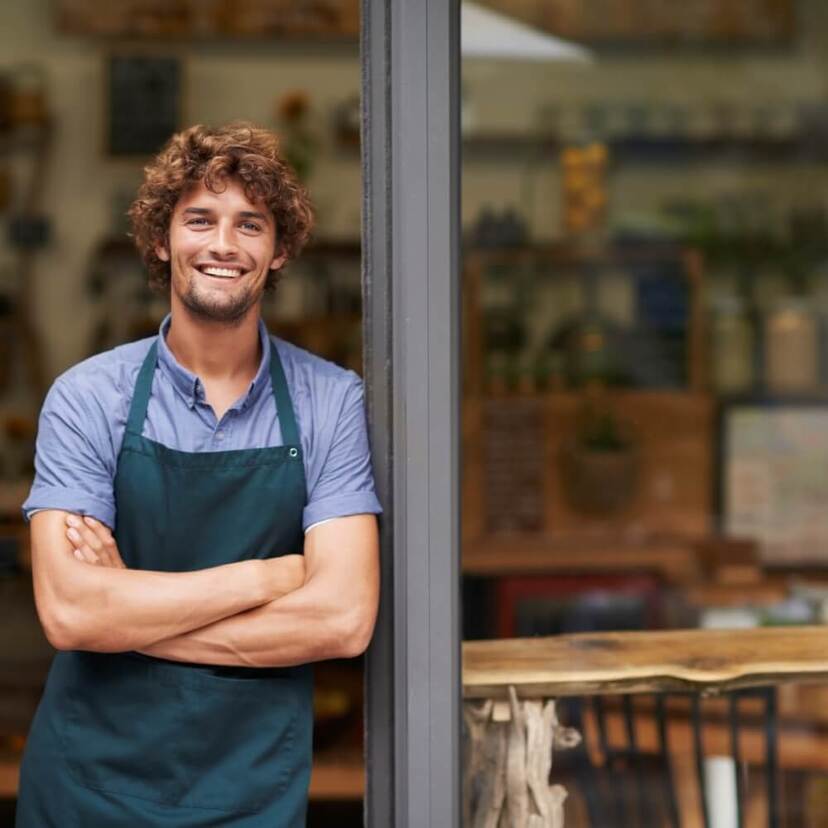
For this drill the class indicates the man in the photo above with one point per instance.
(233, 470)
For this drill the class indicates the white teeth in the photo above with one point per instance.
(223, 272)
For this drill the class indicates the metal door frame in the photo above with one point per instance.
(411, 225)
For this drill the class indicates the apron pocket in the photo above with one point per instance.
(122, 725)
(246, 740)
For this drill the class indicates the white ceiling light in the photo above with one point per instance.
(488, 34)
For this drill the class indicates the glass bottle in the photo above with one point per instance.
(732, 346)
(791, 347)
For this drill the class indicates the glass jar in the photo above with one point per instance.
(791, 347)
(732, 346)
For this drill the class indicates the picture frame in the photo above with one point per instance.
(773, 479)
(144, 94)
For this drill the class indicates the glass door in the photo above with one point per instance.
(644, 425)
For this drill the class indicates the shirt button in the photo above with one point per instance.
(219, 435)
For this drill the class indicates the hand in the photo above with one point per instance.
(92, 542)
(285, 574)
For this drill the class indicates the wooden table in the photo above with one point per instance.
(510, 687)
(634, 662)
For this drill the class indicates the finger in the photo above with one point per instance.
(103, 558)
(85, 554)
(82, 550)
(73, 521)
(95, 541)
(100, 529)
(82, 534)
(77, 541)
(79, 554)
(111, 551)
(108, 548)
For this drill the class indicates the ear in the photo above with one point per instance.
(278, 261)
(162, 253)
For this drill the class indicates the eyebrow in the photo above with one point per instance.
(203, 211)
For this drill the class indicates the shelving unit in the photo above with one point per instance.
(652, 149)
(551, 262)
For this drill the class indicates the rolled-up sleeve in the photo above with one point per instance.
(345, 485)
(73, 469)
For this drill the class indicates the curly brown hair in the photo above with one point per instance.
(212, 155)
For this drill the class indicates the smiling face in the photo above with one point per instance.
(221, 247)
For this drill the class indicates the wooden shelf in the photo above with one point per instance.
(675, 561)
(576, 255)
(337, 775)
(645, 149)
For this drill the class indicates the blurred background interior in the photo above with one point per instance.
(645, 309)
(645, 416)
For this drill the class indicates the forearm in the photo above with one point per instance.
(112, 610)
(88, 600)
(307, 625)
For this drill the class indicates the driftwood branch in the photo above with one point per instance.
(508, 760)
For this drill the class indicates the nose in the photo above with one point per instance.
(223, 242)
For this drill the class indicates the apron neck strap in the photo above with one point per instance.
(143, 388)
(284, 406)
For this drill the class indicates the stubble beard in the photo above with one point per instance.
(229, 311)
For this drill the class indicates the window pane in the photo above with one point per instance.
(645, 408)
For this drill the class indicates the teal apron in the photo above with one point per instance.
(122, 740)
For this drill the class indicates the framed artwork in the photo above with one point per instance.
(144, 103)
(774, 480)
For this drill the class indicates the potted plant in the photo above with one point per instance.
(599, 463)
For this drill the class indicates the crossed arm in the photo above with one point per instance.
(260, 613)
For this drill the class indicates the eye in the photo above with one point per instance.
(252, 226)
(196, 221)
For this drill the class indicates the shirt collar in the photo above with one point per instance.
(190, 386)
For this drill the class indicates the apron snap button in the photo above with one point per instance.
(294, 452)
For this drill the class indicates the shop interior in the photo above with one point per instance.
(644, 268)
(645, 309)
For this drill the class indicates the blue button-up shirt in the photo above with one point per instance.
(84, 416)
